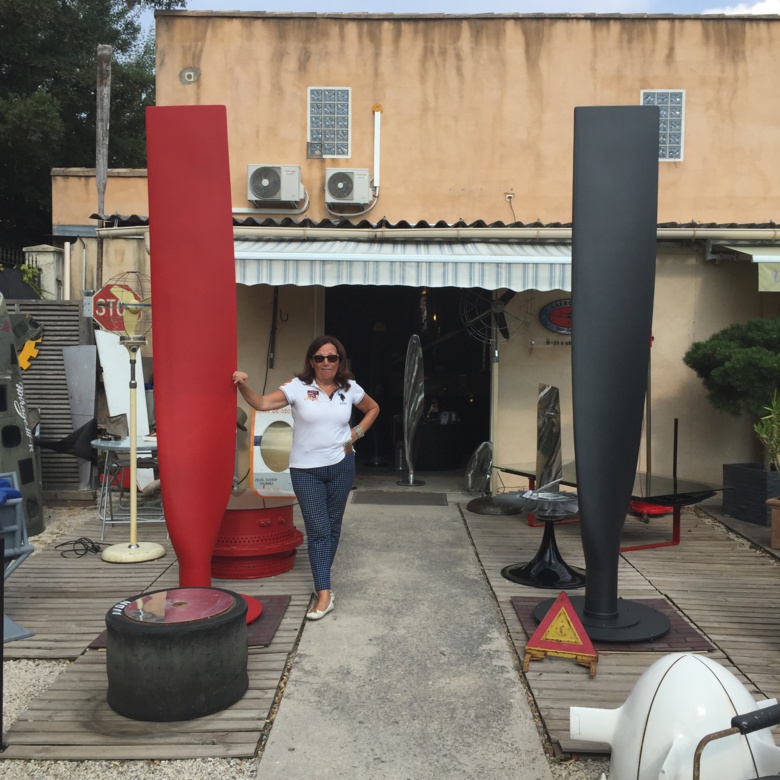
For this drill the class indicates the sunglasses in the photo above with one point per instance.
(322, 358)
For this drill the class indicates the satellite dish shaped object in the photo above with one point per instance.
(678, 700)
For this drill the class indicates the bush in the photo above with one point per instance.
(740, 366)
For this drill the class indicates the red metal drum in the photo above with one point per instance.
(255, 543)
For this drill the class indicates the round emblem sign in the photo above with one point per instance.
(556, 316)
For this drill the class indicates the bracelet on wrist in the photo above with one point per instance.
(359, 431)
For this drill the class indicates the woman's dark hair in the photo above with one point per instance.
(343, 374)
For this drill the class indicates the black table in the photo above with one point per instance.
(653, 489)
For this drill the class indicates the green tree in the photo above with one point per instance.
(48, 72)
(740, 366)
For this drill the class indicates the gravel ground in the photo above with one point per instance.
(23, 680)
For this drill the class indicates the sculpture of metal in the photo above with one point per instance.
(677, 702)
(17, 447)
(549, 466)
(414, 399)
(195, 334)
(613, 278)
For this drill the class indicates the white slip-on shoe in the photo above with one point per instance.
(318, 614)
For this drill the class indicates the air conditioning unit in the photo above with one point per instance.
(347, 185)
(274, 183)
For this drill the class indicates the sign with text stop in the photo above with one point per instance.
(108, 306)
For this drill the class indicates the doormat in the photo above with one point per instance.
(259, 633)
(399, 498)
(681, 637)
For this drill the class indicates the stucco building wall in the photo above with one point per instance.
(475, 107)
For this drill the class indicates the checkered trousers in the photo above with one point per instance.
(322, 494)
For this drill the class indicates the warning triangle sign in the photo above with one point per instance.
(561, 633)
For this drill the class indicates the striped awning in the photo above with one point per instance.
(768, 259)
(491, 265)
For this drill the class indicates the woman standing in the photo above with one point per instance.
(322, 461)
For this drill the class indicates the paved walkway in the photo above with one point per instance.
(412, 675)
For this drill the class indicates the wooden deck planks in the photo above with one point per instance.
(64, 601)
(718, 583)
(72, 719)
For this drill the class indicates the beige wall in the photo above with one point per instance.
(74, 194)
(476, 107)
(693, 299)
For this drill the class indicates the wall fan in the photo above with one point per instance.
(479, 468)
(486, 318)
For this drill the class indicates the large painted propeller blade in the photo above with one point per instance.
(613, 279)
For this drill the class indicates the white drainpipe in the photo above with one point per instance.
(470, 233)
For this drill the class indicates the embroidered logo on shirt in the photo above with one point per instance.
(312, 395)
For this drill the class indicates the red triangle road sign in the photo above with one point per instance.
(561, 633)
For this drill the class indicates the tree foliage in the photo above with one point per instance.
(48, 73)
(740, 366)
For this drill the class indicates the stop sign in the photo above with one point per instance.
(108, 305)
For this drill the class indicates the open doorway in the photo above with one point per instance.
(375, 324)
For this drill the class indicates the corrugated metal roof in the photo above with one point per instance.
(135, 220)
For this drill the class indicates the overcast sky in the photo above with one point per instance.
(490, 6)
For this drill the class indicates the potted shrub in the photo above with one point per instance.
(740, 369)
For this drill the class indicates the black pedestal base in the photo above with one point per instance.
(634, 622)
(489, 505)
(546, 569)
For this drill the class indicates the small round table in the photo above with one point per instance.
(547, 569)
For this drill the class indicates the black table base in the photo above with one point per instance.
(546, 569)
(634, 622)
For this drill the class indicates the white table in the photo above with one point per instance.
(114, 501)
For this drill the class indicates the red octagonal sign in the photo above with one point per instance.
(108, 306)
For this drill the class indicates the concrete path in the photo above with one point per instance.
(411, 677)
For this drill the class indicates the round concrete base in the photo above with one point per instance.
(132, 553)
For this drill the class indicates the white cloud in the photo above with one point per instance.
(763, 7)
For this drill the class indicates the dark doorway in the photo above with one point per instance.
(375, 324)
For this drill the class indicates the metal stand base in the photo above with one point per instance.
(410, 482)
(491, 505)
(634, 622)
(546, 569)
(132, 553)
(253, 608)
(13, 631)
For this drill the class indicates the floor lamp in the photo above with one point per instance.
(136, 308)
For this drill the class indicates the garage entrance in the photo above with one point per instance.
(375, 324)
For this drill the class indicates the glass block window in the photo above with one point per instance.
(671, 103)
(330, 131)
